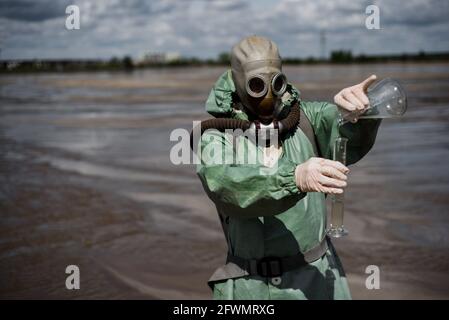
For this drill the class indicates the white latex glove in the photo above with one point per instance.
(354, 99)
(321, 175)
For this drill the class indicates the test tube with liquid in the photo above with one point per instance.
(337, 228)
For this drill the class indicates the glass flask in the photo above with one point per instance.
(387, 99)
(336, 228)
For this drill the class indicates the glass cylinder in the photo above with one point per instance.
(336, 228)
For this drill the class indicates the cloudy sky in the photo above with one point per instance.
(202, 28)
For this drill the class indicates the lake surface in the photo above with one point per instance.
(86, 179)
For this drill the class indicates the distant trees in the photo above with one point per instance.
(127, 63)
(223, 59)
(117, 64)
(341, 56)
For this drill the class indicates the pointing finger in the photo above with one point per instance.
(367, 82)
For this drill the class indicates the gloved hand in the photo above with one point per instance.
(353, 100)
(321, 175)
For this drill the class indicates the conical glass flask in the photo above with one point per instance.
(387, 99)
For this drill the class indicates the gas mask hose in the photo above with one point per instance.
(222, 124)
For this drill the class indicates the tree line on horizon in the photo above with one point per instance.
(127, 64)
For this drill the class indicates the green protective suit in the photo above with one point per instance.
(265, 214)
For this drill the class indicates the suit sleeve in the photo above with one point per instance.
(361, 135)
(245, 190)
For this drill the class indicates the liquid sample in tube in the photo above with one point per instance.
(337, 210)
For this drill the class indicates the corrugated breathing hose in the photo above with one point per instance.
(222, 124)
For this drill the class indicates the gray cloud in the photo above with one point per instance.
(29, 10)
(415, 13)
(205, 28)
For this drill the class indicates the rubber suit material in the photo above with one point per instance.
(266, 214)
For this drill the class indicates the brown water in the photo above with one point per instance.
(337, 211)
(86, 180)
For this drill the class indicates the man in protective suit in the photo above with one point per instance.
(275, 222)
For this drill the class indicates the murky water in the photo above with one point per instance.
(86, 179)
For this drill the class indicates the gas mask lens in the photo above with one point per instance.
(279, 84)
(256, 86)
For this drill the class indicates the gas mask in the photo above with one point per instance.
(258, 78)
(260, 85)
